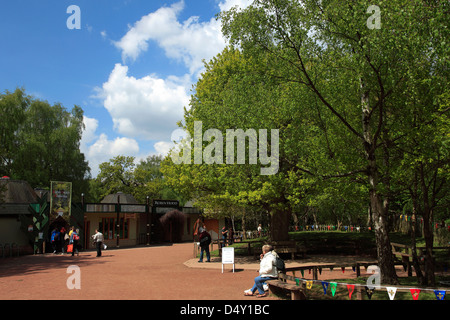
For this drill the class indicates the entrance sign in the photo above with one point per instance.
(227, 256)
(166, 203)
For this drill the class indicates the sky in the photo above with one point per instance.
(129, 64)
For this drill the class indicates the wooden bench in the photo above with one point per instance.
(296, 291)
(288, 247)
(405, 252)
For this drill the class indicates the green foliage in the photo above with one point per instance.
(40, 142)
(142, 180)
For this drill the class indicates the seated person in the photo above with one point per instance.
(267, 270)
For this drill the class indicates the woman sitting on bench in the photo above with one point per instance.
(267, 270)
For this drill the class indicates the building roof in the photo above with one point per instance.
(125, 198)
(15, 197)
(16, 191)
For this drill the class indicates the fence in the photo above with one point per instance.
(10, 248)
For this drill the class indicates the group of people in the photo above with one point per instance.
(70, 241)
(66, 241)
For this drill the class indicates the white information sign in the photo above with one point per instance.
(227, 256)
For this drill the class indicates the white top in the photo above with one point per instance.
(267, 266)
(98, 237)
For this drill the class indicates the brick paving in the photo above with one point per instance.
(156, 272)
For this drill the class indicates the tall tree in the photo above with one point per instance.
(360, 74)
(41, 142)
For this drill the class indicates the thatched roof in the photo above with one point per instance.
(15, 197)
(17, 192)
(125, 198)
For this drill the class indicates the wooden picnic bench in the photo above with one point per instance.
(283, 247)
(405, 252)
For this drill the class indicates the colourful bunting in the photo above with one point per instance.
(369, 292)
(325, 287)
(391, 292)
(343, 269)
(320, 270)
(415, 293)
(302, 272)
(350, 288)
(333, 286)
(440, 294)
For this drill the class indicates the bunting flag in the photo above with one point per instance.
(333, 286)
(302, 272)
(415, 293)
(320, 270)
(391, 292)
(350, 288)
(343, 269)
(331, 268)
(440, 294)
(370, 289)
(353, 268)
(369, 292)
(325, 287)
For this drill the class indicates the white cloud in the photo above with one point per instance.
(147, 108)
(228, 4)
(102, 149)
(189, 41)
(88, 135)
(163, 147)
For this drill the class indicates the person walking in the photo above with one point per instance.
(54, 238)
(98, 240)
(74, 240)
(224, 236)
(205, 241)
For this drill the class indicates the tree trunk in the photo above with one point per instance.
(417, 268)
(427, 230)
(279, 225)
(378, 207)
(384, 250)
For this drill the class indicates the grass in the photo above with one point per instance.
(335, 242)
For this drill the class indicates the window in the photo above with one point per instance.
(108, 228)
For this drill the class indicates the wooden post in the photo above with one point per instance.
(147, 213)
(315, 275)
(117, 220)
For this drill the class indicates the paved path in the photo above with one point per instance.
(165, 272)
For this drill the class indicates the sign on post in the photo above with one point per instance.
(227, 256)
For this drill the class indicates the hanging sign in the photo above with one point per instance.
(227, 256)
(60, 200)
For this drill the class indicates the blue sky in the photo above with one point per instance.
(130, 67)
